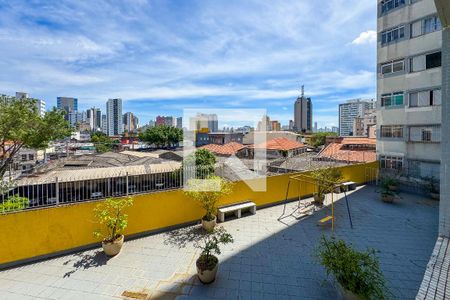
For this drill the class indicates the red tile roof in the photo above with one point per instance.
(338, 151)
(279, 144)
(226, 149)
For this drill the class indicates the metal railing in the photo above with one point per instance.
(55, 192)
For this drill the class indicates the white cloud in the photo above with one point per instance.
(366, 37)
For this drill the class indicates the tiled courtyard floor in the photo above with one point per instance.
(270, 259)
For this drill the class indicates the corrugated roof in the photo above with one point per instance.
(99, 173)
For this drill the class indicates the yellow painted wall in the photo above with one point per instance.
(32, 233)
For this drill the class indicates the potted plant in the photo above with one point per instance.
(433, 188)
(111, 214)
(208, 264)
(358, 273)
(388, 196)
(390, 182)
(326, 179)
(208, 192)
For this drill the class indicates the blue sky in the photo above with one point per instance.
(163, 56)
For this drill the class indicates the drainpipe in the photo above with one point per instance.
(443, 9)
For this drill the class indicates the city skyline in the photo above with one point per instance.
(159, 61)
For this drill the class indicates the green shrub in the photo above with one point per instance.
(358, 272)
(14, 203)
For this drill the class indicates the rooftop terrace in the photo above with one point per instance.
(270, 258)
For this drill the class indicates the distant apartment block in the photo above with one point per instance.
(130, 122)
(202, 121)
(114, 117)
(303, 114)
(40, 104)
(165, 120)
(275, 125)
(94, 118)
(363, 124)
(350, 110)
(409, 87)
(180, 122)
(68, 104)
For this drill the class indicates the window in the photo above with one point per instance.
(393, 67)
(425, 134)
(388, 5)
(395, 131)
(391, 162)
(392, 35)
(425, 98)
(24, 157)
(425, 61)
(394, 99)
(31, 156)
(424, 26)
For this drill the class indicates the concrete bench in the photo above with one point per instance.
(236, 208)
(349, 185)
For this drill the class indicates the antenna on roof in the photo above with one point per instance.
(303, 90)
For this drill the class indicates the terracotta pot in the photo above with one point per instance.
(318, 201)
(207, 276)
(388, 198)
(434, 196)
(113, 248)
(348, 295)
(209, 225)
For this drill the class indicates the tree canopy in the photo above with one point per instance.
(318, 139)
(101, 142)
(204, 160)
(22, 126)
(162, 136)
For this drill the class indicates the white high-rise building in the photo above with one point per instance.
(40, 104)
(349, 110)
(409, 88)
(114, 117)
(130, 122)
(94, 118)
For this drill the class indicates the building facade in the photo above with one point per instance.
(68, 104)
(350, 110)
(303, 114)
(114, 117)
(409, 87)
(130, 122)
(94, 118)
(40, 104)
(201, 121)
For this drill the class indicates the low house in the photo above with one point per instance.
(228, 149)
(349, 149)
(278, 147)
(222, 138)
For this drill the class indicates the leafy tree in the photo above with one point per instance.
(162, 136)
(319, 138)
(204, 160)
(22, 126)
(102, 142)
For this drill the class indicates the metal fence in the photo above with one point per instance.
(55, 192)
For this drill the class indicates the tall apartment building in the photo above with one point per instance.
(114, 122)
(130, 122)
(362, 124)
(180, 122)
(202, 121)
(303, 113)
(350, 110)
(40, 104)
(94, 118)
(68, 104)
(104, 124)
(409, 87)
